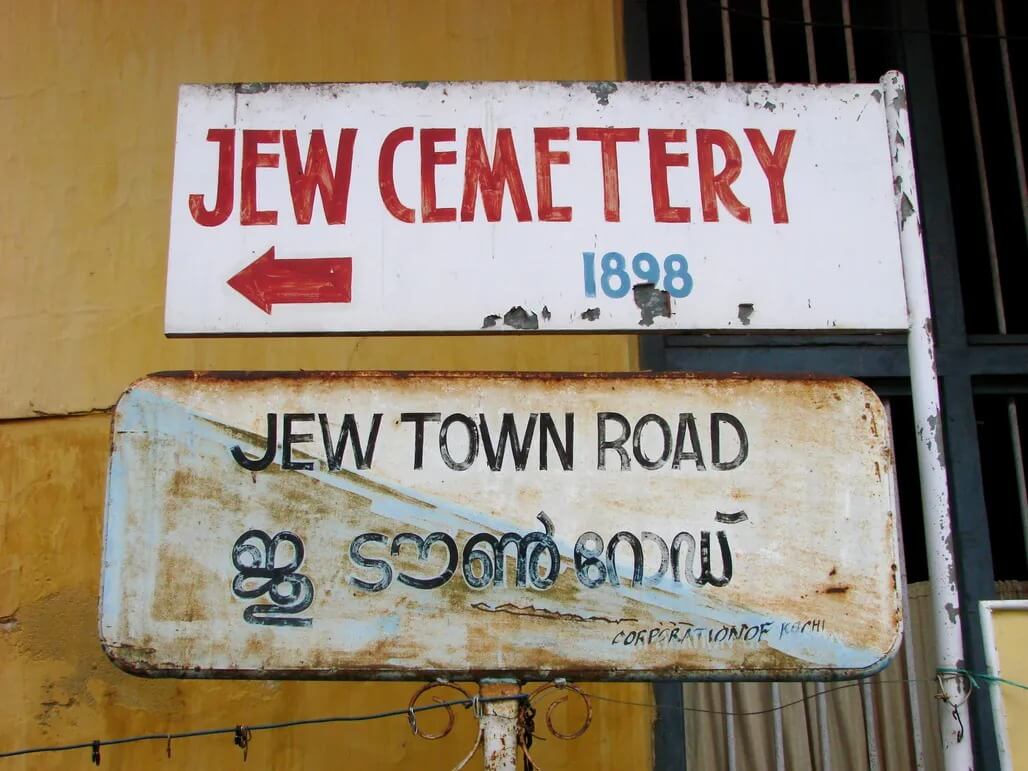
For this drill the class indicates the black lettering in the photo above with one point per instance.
(348, 433)
(419, 419)
(519, 448)
(565, 449)
(706, 577)
(690, 558)
(254, 557)
(489, 562)
(269, 453)
(588, 551)
(687, 424)
(444, 448)
(368, 562)
(289, 439)
(665, 430)
(716, 419)
(615, 444)
(637, 553)
(424, 545)
(656, 578)
(529, 550)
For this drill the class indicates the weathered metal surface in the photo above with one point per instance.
(465, 207)
(762, 510)
(500, 734)
(924, 383)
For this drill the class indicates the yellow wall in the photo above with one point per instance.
(87, 115)
(1010, 628)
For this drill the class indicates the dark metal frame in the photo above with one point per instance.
(967, 365)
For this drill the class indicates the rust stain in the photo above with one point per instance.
(839, 589)
(277, 498)
(772, 660)
(178, 594)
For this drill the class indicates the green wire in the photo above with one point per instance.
(974, 677)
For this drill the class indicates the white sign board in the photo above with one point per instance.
(458, 207)
(407, 526)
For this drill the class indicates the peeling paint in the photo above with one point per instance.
(651, 302)
(745, 312)
(952, 566)
(953, 612)
(519, 318)
(603, 90)
(906, 209)
(899, 101)
(591, 314)
(252, 88)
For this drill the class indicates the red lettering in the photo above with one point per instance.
(774, 165)
(223, 203)
(491, 180)
(249, 214)
(386, 182)
(544, 159)
(660, 160)
(714, 187)
(317, 172)
(608, 139)
(429, 160)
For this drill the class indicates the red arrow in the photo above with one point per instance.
(267, 281)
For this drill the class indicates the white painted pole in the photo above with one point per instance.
(500, 725)
(924, 383)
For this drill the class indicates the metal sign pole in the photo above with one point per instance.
(499, 724)
(954, 723)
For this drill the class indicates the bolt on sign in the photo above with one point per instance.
(415, 525)
(459, 207)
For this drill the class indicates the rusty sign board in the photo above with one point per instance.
(462, 207)
(410, 525)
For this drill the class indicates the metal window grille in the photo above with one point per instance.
(966, 65)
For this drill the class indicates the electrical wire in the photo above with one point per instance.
(406, 712)
(972, 678)
(746, 713)
(756, 15)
